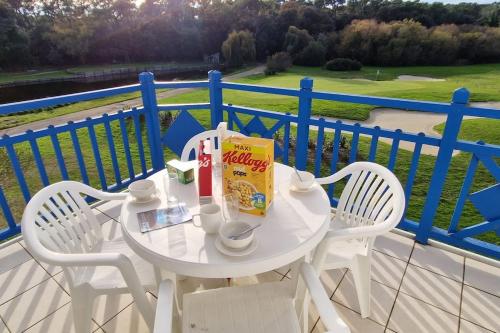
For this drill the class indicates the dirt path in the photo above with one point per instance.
(111, 108)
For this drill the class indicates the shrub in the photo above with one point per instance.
(343, 64)
(312, 55)
(278, 62)
(238, 48)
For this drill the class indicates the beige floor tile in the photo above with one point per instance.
(432, 288)
(482, 276)
(128, 321)
(353, 320)
(331, 279)
(60, 321)
(101, 217)
(21, 278)
(12, 256)
(52, 270)
(60, 278)
(411, 315)
(480, 308)
(312, 317)
(271, 276)
(105, 306)
(108, 306)
(468, 327)
(382, 298)
(111, 208)
(33, 305)
(111, 230)
(3, 328)
(387, 270)
(191, 284)
(283, 270)
(394, 245)
(439, 261)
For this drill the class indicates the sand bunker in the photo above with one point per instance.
(416, 78)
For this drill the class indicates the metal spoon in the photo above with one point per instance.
(238, 235)
(298, 175)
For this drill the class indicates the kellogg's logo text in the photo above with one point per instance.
(234, 156)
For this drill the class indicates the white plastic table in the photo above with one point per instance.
(294, 225)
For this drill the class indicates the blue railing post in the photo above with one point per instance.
(214, 86)
(452, 127)
(305, 103)
(150, 103)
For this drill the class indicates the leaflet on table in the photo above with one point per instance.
(163, 217)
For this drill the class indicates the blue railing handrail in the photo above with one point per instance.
(57, 129)
(180, 84)
(16, 107)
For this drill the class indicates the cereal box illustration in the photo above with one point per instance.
(248, 171)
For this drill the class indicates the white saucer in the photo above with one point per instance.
(233, 252)
(310, 189)
(151, 198)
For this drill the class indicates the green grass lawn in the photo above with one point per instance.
(6, 77)
(486, 130)
(9, 121)
(481, 80)
(68, 72)
(109, 67)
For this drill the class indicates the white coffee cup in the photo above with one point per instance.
(304, 183)
(142, 189)
(210, 218)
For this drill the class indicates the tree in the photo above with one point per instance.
(14, 49)
(296, 40)
(239, 47)
(312, 55)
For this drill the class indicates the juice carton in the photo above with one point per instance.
(204, 170)
(248, 171)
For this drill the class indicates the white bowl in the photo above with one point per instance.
(304, 184)
(232, 229)
(142, 189)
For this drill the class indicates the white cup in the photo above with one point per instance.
(142, 189)
(304, 183)
(210, 218)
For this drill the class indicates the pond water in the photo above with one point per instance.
(34, 91)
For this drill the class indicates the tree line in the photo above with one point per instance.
(383, 32)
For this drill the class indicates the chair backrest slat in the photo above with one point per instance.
(71, 223)
(88, 218)
(53, 217)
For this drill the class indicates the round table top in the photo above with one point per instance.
(294, 225)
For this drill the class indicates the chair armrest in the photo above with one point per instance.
(324, 305)
(357, 232)
(85, 259)
(164, 307)
(330, 179)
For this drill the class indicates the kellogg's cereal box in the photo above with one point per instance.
(248, 171)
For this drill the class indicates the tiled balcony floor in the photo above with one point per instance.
(415, 289)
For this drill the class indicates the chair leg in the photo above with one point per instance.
(361, 271)
(82, 302)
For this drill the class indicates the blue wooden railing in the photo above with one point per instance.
(143, 144)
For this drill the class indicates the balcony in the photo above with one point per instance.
(438, 273)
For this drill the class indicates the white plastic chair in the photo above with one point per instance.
(60, 229)
(264, 308)
(371, 204)
(194, 142)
